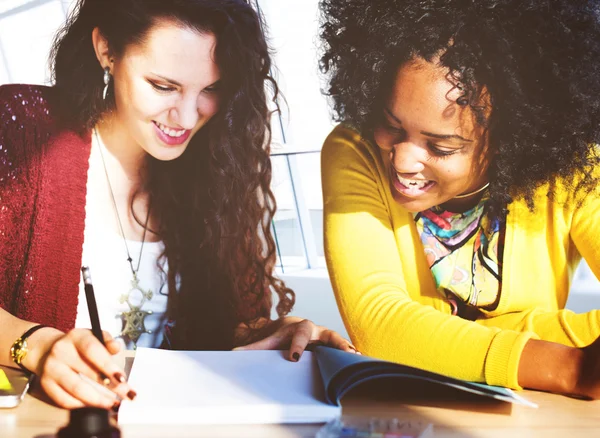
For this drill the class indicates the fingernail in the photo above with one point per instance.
(119, 377)
(131, 395)
(115, 407)
(296, 356)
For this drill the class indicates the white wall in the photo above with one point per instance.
(26, 32)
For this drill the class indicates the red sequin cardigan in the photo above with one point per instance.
(43, 177)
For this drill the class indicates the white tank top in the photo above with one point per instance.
(104, 253)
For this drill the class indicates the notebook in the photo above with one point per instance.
(260, 387)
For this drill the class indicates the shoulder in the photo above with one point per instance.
(345, 146)
(26, 108)
(24, 100)
(27, 121)
(344, 136)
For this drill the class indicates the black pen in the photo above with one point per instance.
(93, 311)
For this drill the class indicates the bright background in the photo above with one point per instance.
(26, 31)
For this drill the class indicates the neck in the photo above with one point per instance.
(115, 175)
(466, 201)
(473, 192)
(124, 154)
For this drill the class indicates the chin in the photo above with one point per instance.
(166, 153)
(412, 205)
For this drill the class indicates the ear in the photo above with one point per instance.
(102, 49)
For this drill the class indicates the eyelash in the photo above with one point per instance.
(160, 88)
(439, 152)
(432, 146)
(212, 89)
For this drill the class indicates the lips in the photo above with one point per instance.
(170, 136)
(410, 187)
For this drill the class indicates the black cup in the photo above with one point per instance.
(89, 423)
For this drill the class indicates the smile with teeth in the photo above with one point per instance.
(411, 183)
(170, 132)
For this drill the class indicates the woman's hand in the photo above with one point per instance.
(66, 365)
(296, 333)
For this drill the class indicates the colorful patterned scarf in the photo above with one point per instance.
(464, 253)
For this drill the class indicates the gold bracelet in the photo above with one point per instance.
(19, 350)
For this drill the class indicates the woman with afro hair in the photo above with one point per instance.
(460, 189)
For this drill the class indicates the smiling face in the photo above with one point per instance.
(431, 146)
(165, 89)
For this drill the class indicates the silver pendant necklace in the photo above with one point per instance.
(133, 320)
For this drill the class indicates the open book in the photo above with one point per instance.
(233, 387)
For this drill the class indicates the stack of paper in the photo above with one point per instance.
(225, 387)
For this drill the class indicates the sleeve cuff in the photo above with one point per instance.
(502, 360)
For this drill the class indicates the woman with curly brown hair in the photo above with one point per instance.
(148, 160)
(460, 190)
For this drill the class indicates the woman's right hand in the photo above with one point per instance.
(60, 360)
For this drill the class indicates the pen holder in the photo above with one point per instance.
(88, 423)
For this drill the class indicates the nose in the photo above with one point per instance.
(407, 157)
(186, 113)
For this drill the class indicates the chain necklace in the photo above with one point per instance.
(133, 320)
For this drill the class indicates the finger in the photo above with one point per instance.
(335, 340)
(113, 346)
(59, 395)
(107, 336)
(71, 382)
(280, 339)
(98, 357)
(353, 348)
(304, 332)
(65, 351)
(118, 384)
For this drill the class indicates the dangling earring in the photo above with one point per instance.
(106, 82)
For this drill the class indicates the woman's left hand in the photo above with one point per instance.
(296, 334)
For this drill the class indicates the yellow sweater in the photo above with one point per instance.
(386, 293)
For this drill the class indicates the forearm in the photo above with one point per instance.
(551, 367)
(560, 326)
(13, 328)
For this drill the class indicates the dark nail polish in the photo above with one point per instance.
(296, 356)
(115, 407)
(119, 377)
(131, 395)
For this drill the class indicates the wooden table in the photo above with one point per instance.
(453, 415)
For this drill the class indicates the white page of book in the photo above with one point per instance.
(224, 387)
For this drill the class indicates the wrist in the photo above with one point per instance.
(38, 345)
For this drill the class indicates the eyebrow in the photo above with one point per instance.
(174, 82)
(430, 134)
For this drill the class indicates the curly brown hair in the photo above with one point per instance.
(538, 60)
(214, 204)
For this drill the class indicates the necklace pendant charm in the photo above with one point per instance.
(134, 320)
(135, 286)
